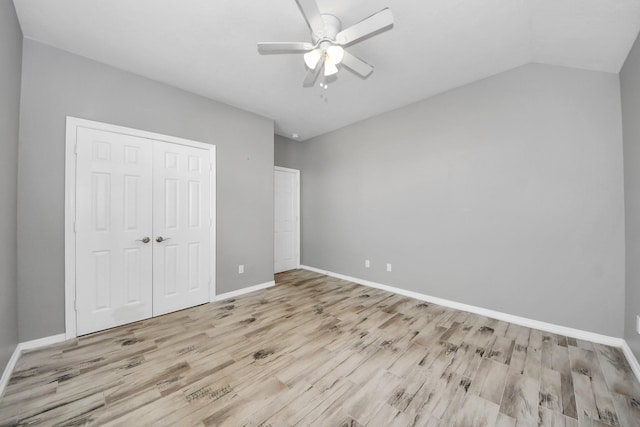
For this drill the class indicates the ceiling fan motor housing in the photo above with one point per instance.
(332, 26)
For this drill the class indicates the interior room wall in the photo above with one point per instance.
(10, 70)
(57, 84)
(287, 153)
(630, 89)
(505, 194)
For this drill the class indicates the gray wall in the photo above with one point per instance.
(57, 84)
(287, 153)
(505, 194)
(10, 63)
(630, 88)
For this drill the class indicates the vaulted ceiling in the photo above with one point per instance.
(209, 47)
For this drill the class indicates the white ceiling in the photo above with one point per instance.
(209, 47)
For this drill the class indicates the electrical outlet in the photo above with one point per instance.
(638, 324)
(388, 267)
(367, 264)
(241, 269)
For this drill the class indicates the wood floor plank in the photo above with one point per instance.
(388, 416)
(586, 362)
(295, 409)
(585, 400)
(505, 421)
(568, 395)
(619, 375)
(520, 398)
(628, 409)
(327, 404)
(550, 418)
(316, 350)
(551, 390)
(476, 412)
(494, 385)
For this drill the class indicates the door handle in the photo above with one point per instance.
(162, 239)
(144, 240)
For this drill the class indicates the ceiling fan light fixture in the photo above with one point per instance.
(328, 40)
(329, 67)
(335, 54)
(312, 57)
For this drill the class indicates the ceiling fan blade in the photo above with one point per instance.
(284, 47)
(312, 75)
(357, 65)
(376, 23)
(311, 13)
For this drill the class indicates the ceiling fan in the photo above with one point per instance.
(326, 51)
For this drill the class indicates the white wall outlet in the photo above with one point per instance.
(638, 324)
(388, 267)
(240, 269)
(367, 264)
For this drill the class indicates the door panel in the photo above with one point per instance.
(286, 239)
(113, 212)
(181, 218)
(129, 188)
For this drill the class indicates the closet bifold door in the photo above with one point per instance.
(181, 227)
(114, 174)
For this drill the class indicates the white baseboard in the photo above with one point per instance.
(4, 380)
(41, 342)
(635, 366)
(21, 348)
(243, 291)
(522, 321)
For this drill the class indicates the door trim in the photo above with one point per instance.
(296, 172)
(73, 123)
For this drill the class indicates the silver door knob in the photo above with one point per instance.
(162, 239)
(144, 240)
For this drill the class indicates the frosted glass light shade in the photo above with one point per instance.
(312, 57)
(335, 54)
(329, 67)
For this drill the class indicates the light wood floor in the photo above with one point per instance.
(320, 351)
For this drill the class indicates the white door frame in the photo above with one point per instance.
(296, 172)
(73, 124)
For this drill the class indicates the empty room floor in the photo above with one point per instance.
(315, 350)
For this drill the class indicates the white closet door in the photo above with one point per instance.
(181, 224)
(287, 212)
(113, 217)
